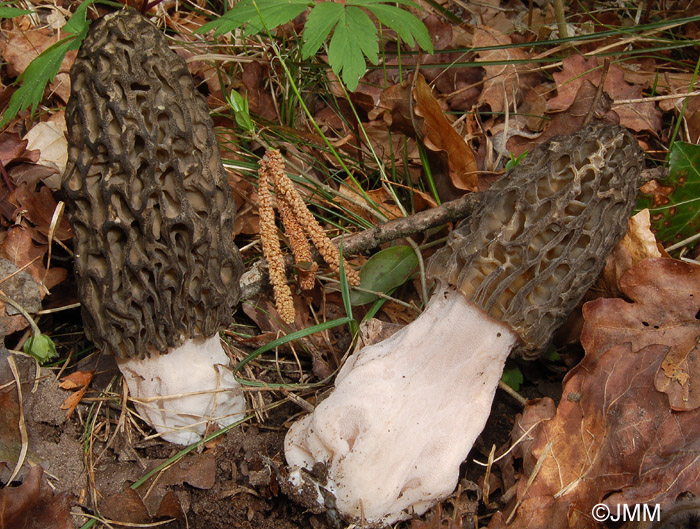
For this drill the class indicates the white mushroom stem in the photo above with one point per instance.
(405, 412)
(180, 392)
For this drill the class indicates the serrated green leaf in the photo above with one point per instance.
(407, 25)
(361, 27)
(41, 347)
(274, 13)
(354, 35)
(278, 12)
(321, 20)
(513, 377)
(41, 71)
(241, 14)
(78, 24)
(675, 204)
(384, 271)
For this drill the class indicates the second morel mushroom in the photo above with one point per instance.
(389, 440)
(152, 213)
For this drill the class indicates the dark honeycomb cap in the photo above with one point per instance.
(540, 235)
(149, 202)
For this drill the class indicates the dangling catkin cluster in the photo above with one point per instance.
(299, 224)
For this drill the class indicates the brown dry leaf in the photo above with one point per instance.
(157, 500)
(33, 505)
(577, 69)
(79, 380)
(504, 84)
(637, 244)
(14, 149)
(39, 207)
(245, 195)
(19, 48)
(127, 507)
(10, 438)
(72, 401)
(615, 439)
(691, 116)
(19, 249)
(387, 145)
(439, 136)
(76, 380)
(49, 138)
(569, 121)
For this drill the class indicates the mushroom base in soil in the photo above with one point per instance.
(183, 391)
(389, 440)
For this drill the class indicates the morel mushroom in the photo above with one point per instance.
(388, 441)
(152, 213)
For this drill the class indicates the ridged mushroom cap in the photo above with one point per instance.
(540, 235)
(149, 201)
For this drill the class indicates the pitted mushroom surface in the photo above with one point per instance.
(389, 440)
(152, 213)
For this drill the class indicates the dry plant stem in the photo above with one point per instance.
(271, 248)
(561, 19)
(451, 211)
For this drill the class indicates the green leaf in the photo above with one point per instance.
(239, 104)
(515, 161)
(41, 347)
(273, 12)
(354, 35)
(407, 25)
(43, 69)
(12, 12)
(385, 270)
(361, 27)
(674, 204)
(513, 377)
(319, 24)
(78, 24)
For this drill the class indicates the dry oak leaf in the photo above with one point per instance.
(615, 438)
(504, 84)
(39, 208)
(577, 69)
(19, 249)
